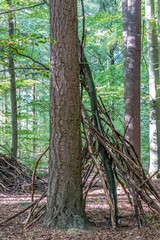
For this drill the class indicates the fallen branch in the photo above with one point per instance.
(24, 210)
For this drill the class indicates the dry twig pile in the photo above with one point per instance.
(12, 174)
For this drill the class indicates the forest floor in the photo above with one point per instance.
(97, 211)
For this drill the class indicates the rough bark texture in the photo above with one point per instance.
(154, 126)
(125, 37)
(64, 204)
(132, 78)
(12, 88)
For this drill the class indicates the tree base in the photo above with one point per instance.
(68, 222)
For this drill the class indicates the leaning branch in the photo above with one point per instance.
(19, 9)
(34, 173)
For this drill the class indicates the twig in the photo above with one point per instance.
(37, 218)
(35, 206)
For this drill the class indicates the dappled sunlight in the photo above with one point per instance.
(16, 198)
(97, 210)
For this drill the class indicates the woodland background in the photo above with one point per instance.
(104, 51)
(107, 153)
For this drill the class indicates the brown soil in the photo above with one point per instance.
(97, 210)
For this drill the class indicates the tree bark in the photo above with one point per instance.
(154, 126)
(12, 87)
(125, 37)
(131, 58)
(132, 72)
(158, 88)
(64, 202)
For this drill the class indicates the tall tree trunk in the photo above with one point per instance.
(12, 87)
(154, 126)
(132, 72)
(131, 57)
(64, 202)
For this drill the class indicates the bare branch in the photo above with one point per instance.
(24, 68)
(15, 10)
(24, 55)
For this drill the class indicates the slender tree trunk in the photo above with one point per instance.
(125, 37)
(5, 111)
(154, 125)
(132, 72)
(158, 90)
(64, 202)
(34, 118)
(12, 88)
(2, 113)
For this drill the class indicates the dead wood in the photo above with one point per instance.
(34, 174)
(12, 174)
(24, 210)
(127, 167)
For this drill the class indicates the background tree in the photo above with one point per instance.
(64, 209)
(132, 58)
(12, 84)
(154, 126)
(26, 44)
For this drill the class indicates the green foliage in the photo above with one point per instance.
(103, 48)
(31, 38)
